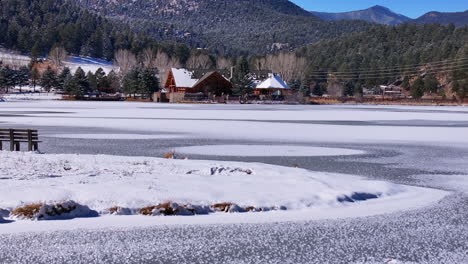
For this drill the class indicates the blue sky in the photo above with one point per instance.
(410, 8)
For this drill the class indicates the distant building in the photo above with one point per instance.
(392, 90)
(273, 85)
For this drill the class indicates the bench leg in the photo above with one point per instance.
(35, 146)
(17, 146)
(1, 145)
(30, 146)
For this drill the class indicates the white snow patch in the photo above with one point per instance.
(266, 151)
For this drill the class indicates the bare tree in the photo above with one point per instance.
(287, 64)
(223, 63)
(163, 63)
(58, 55)
(148, 58)
(199, 61)
(125, 60)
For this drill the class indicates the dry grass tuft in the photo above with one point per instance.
(170, 155)
(114, 210)
(27, 211)
(222, 207)
(164, 208)
(251, 209)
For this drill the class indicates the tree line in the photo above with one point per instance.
(139, 81)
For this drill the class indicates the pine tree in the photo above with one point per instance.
(241, 78)
(130, 82)
(81, 81)
(71, 87)
(431, 84)
(92, 81)
(114, 82)
(62, 77)
(417, 90)
(148, 82)
(35, 53)
(22, 77)
(49, 79)
(102, 84)
(295, 85)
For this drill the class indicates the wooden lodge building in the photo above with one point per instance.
(181, 85)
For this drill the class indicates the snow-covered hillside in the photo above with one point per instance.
(73, 62)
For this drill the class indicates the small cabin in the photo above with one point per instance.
(273, 86)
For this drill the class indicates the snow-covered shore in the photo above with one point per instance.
(102, 182)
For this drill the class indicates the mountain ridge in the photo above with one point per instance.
(224, 26)
(377, 14)
(456, 18)
(383, 15)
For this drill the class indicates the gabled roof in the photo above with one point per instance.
(273, 82)
(207, 75)
(183, 78)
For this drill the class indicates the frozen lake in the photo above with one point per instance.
(417, 146)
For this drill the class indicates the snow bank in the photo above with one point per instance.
(32, 96)
(266, 151)
(4, 213)
(103, 182)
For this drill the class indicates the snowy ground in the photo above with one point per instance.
(102, 182)
(32, 96)
(416, 155)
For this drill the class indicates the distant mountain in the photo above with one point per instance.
(457, 18)
(225, 26)
(376, 14)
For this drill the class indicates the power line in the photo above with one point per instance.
(440, 68)
(389, 76)
(438, 63)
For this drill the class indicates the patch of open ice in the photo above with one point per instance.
(266, 151)
(113, 136)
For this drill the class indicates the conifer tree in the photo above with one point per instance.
(130, 82)
(431, 84)
(49, 79)
(62, 77)
(148, 82)
(81, 81)
(241, 78)
(22, 77)
(417, 91)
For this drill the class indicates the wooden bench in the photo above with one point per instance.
(18, 136)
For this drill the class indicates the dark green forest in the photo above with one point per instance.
(36, 26)
(385, 54)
